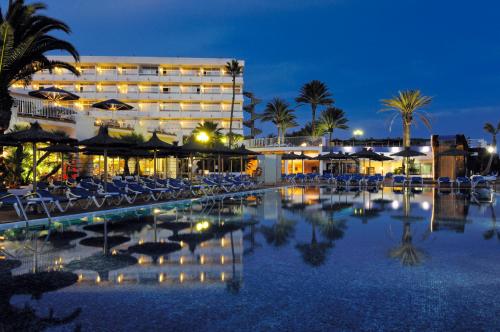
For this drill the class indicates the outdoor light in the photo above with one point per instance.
(490, 149)
(303, 144)
(395, 205)
(156, 211)
(358, 132)
(202, 137)
(425, 205)
(426, 149)
(224, 140)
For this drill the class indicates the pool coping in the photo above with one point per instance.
(148, 205)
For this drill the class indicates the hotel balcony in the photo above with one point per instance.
(165, 114)
(154, 96)
(136, 78)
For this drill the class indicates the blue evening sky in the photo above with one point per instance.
(365, 50)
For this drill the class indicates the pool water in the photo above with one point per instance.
(295, 258)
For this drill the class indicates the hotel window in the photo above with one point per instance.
(128, 70)
(165, 89)
(86, 70)
(107, 70)
(148, 70)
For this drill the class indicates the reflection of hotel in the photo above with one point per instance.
(169, 95)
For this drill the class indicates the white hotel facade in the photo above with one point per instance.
(169, 95)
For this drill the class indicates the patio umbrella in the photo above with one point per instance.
(407, 153)
(384, 158)
(332, 156)
(244, 152)
(35, 134)
(62, 149)
(104, 141)
(113, 105)
(194, 147)
(155, 144)
(367, 154)
(53, 94)
(293, 156)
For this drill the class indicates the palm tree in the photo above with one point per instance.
(278, 112)
(211, 129)
(332, 118)
(234, 69)
(314, 93)
(25, 41)
(490, 129)
(408, 104)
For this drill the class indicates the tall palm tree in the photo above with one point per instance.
(24, 42)
(314, 93)
(408, 104)
(234, 69)
(490, 129)
(278, 112)
(212, 129)
(332, 118)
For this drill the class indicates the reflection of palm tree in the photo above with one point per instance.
(407, 253)
(234, 283)
(279, 233)
(489, 234)
(333, 229)
(314, 253)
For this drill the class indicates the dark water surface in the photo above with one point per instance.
(305, 259)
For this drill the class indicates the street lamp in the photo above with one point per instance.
(490, 149)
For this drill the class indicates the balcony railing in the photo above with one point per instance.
(34, 108)
(302, 141)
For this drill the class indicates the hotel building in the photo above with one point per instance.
(169, 95)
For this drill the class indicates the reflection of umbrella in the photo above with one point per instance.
(155, 249)
(61, 239)
(104, 241)
(35, 134)
(155, 144)
(61, 148)
(53, 94)
(192, 239)
(128, 226)
(41, 282)
(113, 105)
(174, 226)
(8, 264)
(103, 140)
(102, 264)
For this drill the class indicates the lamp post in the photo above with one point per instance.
(357, 133)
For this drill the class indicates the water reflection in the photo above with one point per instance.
(203, 244)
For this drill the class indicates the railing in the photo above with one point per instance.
(114, 124)
(286, 142)
(34, 108)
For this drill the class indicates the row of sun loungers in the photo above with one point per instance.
(90, 192)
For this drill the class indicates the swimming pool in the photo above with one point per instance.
(295, 258)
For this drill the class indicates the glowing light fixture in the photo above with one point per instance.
(202, 137)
